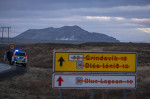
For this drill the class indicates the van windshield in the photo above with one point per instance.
(20, 54)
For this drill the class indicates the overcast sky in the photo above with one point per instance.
(126, 20)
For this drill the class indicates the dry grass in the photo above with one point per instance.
(36, 83)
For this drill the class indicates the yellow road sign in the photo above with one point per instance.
(12, 46)
(94, 62)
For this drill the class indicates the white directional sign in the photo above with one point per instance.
(94, 81)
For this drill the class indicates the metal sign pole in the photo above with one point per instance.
(125, 94)
(15, 66)
(60, 93)
(92, 94)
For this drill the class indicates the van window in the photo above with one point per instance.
(20, 54)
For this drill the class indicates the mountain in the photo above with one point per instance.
(66, 33)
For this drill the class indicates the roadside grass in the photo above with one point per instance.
(36, 83)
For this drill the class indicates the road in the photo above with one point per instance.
(5, 68)
(7, 71)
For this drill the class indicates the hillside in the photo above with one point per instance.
(64, 34)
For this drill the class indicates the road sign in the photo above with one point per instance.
(94, 81)
(12, 46)
(94, 62)
(59, 80)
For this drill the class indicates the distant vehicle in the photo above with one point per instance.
(16, 56)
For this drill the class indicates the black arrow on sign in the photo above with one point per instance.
(61, 60)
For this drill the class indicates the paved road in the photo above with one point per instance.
(5, 68)
(7, 71)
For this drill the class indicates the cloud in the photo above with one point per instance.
(140, 20)
(130, 11)
(114, 9)
(67, 19)
(67, 4)
(117, 11)
(103, 18)
(123, 19)
(119, 18)
(132, 8)
(146, 30)
(98, 17)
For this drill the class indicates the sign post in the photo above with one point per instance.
(12, 46)
(92, 94)
(60, 93)
(89, 68)
(125, 94)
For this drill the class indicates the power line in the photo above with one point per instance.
(3, 30)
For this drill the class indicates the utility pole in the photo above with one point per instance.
(2, 34)
(8, 34)
(8, 30)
